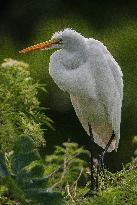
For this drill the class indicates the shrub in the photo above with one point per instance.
(22, 176)
(20, 110)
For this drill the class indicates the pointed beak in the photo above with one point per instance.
(40, 46)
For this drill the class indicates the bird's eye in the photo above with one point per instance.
(57, 41)
(60, 40)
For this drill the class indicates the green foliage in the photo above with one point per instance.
(20, 109)
(66, 168)
(25, 180)
(120, 188)
(72, 179)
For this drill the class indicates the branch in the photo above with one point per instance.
(76, 182)
(62, 166)
(69, 194)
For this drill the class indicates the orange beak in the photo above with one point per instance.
(43, 45)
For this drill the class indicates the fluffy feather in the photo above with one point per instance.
(87, 71)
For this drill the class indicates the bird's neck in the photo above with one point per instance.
(72, 59)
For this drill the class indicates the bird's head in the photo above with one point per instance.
(66, 39)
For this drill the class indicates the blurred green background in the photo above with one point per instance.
(113, 22)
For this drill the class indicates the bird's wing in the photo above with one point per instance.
(108, 82)
(101, 130)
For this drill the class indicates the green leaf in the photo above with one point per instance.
(20, 108)
(44, 197)
(29, 175)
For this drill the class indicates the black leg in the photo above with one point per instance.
(100, 163)
(92, 180)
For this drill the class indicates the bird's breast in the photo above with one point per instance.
(76, 80)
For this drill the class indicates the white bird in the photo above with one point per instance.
(85, 69)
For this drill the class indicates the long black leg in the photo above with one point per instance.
(92, 180)
(100, 163)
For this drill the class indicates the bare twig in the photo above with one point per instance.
(62, 166)
(76, 182)
(69, 194)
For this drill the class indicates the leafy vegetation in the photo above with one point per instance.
(26, 178)
(73, 179)
(67, 167)
(20, 110)
(31, 177)
(119, 188)
(22, 172)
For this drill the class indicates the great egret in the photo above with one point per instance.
(85, 69)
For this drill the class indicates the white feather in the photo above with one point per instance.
(88, 72)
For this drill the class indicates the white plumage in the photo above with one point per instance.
(87, 71)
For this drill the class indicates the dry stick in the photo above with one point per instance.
(76, 182)
(69, 194)
(62, 166)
